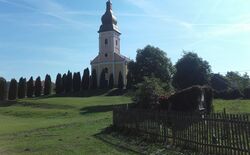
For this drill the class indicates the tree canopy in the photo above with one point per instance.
(3, 89)
(151, 62)
(191, 70)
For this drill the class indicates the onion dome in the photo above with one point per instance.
(109, 21)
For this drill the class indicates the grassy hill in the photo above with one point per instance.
(72, 125)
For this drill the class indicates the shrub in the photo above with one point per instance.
(85, 79)
(59, 84)
(3, 89)
(230, 94)
(111, 81)
(120, 81)
(12, 90)
(93, 79)
(69, 82)
(30, 87)
(47, 85)
(148, 92)
(38, 87)
(103, 81)
(247, 93)
(22, 88)
(77, 82)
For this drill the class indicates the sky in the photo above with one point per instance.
(39, 37)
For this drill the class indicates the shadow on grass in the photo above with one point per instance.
(97, 109)
(107, 137)
(7, 103)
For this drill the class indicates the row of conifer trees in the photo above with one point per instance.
(65, 83)
(25, 88)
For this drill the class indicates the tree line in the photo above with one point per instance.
(65, 83)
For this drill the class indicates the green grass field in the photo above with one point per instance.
(71, 125)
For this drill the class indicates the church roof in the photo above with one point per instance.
(117, 58)
(109, 21)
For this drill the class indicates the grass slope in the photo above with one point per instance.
(73, 125)
(58, 126)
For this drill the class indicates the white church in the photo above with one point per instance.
(109, 58)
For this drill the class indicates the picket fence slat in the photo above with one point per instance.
(219, 133)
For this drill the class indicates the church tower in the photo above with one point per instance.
(109, 59)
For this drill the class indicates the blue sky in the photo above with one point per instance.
(52, 36)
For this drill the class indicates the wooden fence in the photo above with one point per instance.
(218, 133)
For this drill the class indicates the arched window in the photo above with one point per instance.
(106, 41)
(116, 42)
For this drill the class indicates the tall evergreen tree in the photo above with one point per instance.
(111, 81)
(120, 81)
(85, 79)
(59, 84)
(13, 90)
(64, 83)
(47, 85)
(77, 82)
(30, 87)
(93, 79)
(38, 87)
(22, 88)
(103, 81)
(3, 89)
(69, 82)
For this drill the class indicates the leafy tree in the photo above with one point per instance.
(30, 87)
(47, 85)
(85, 79)
(219, 82)
(238, 81)
(38, 87)
(151, 62)
(111, 81)
(69, 82)
(64, 83)
(120, 81)
(22, 88)
(191, 70)
(13, 90)
(3, 89)
(77, 82)
(59, 84)
(93, 79)
(103, 81)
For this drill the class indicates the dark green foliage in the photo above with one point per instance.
(77, 82)
(247, 93)
(59, 84)
(191, 70)
(93, 79)
(129, 80)
(13, 90)
(30, 88)
(47, 85)
(38, 87)
(219, 82)
(64, 83)
(120, 81)
(22, 88)
(85, 79)
(238, 81)
(148, 92)
(69, 82)
(229, 94)
(151, 62)
(3, 89)
(189, 100)
(111, 81)
(103, 81)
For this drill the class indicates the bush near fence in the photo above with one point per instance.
(220, 133)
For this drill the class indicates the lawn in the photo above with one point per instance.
(73, 125)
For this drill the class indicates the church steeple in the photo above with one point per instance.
(109, 21)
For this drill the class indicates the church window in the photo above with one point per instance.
(116, 42)
(106, 41)
(106, 55)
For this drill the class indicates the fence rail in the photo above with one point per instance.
(218, 133)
